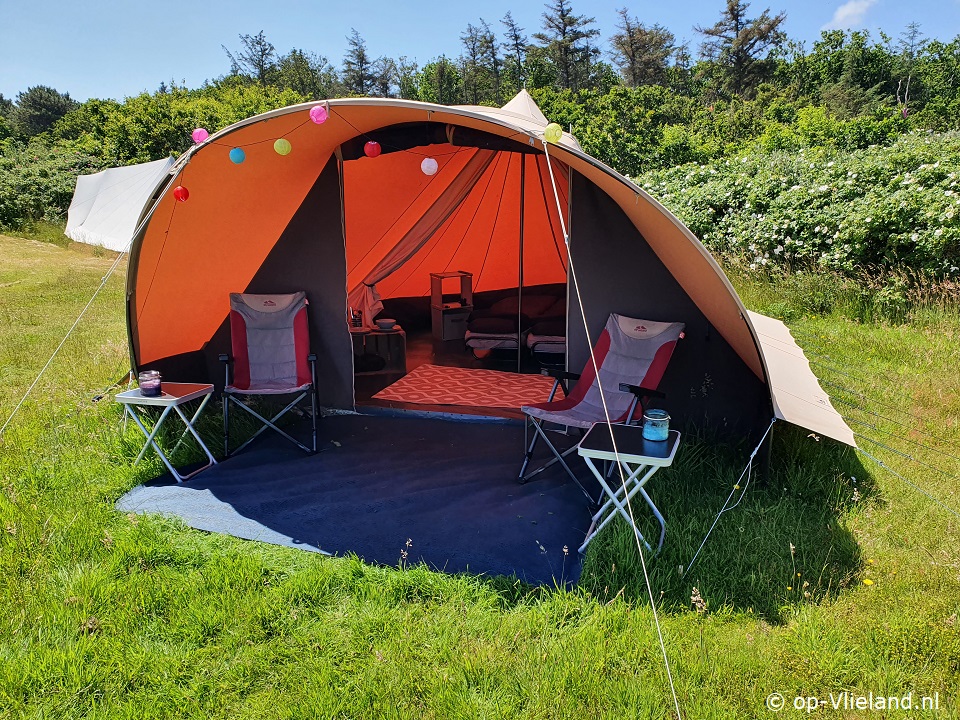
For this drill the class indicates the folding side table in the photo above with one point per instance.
(639, 459)
(174, 395)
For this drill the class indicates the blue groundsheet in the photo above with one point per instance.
(449, 488)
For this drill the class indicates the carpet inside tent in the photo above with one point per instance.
(470, 387)
(450, 488)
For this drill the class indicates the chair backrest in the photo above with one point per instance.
(630, 351)
(270, 340)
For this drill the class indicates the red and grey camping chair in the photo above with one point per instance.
(631, 356)
(271, 356)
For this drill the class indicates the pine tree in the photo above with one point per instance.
(38, 109)
(383, 77)
(257, 59)
(641, 53)
(471, 65)
(491, 55)
(515, 48)
(911, 46)
(566, 40)
(312, 76)
(357, 74)
(740, 47)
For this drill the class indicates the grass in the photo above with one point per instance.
(110, 615)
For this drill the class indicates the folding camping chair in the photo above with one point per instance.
(631, 356)
(271, 356)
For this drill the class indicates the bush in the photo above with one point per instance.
(37, 181)
(880, 207)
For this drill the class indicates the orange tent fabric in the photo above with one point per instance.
(318, 219)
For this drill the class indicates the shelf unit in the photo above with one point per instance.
(451, 302)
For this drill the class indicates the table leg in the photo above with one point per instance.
(628, 488)
(151, 438)
(656, 514)
(150, 435)
(190, 429)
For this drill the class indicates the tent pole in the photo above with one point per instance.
(523, 184)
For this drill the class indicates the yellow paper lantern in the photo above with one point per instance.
(552, 133)
(282, 146)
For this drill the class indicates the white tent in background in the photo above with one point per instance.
(107, 206)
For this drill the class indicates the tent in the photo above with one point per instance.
(107, 206)
(281, 202)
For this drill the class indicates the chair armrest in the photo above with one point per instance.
(641, 392)
(560, 374)
(560, 378)
(225, 359)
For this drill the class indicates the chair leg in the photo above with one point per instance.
(271, 424)
(313, 415)
(226, 425)
(558, 458)
(528, 454)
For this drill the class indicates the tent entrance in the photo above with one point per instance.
(490, 213)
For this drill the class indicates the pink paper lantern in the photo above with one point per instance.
(181, 193)
(199, 135)
(371, 149)
(318, 113)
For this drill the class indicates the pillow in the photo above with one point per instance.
(552, 328)
(532, 305)
(494, 325)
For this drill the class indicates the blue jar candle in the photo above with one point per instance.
(656, 425)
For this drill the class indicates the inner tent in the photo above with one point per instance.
(491, 212)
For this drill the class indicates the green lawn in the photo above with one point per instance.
(833, 576)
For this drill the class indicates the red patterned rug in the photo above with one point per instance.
(438, 385)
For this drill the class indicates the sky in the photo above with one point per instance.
(100, 49)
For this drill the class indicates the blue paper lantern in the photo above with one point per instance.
(237, 156)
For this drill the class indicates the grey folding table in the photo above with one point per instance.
(639, 460)
(173, 397)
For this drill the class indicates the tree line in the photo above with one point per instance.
(638, 100)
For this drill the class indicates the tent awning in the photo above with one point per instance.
(797, 395)
(107, 205)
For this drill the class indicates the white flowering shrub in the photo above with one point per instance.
(881, 207)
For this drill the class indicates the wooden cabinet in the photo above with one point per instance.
(451, 302)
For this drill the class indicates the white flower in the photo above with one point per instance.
(938, 232)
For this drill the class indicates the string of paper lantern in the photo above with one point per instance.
(318, 115)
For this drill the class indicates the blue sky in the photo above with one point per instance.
(106, 49)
